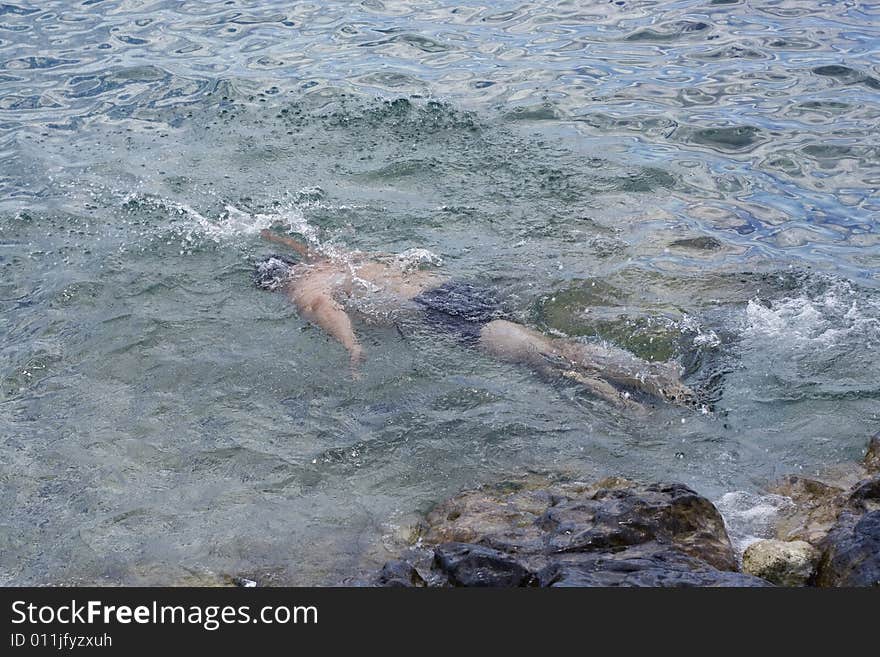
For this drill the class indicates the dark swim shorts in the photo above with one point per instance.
(461, 309)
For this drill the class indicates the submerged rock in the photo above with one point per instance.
(786, 563)
(594, 308)
(615, 533)
(702, 243)
(564, 310)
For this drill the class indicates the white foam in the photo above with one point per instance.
(838, 313)
(703, 337)
(749, 517)
(235, 222)
(415, 258)
(193, 226)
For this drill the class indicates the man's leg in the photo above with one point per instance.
(517, 344)
(661, 379)
(593, 366)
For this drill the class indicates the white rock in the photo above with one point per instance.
(786, 563)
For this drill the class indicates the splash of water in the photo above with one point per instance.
(703, 337)
(192, 226)
(750, 517)
(835, 315)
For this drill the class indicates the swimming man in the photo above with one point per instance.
(325, 288)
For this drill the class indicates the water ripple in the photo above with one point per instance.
(679, 154)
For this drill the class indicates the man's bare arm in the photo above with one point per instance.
(296, 245)
(323, 310)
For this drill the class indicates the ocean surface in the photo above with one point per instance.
(693, 180)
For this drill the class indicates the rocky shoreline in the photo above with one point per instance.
(619, 533)
(835, 527)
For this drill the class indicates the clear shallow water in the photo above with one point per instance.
(162, 420)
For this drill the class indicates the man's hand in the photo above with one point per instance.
(296, 245)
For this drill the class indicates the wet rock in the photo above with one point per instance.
(473, 565)
(638, 567)
(871, 461)
(786, 563)
(244, 582)
(851, 554)
(815, 508)
(865, 495)
(661, 513)
(614, 533)
(842, 522)
(851, 550)
(399, 574)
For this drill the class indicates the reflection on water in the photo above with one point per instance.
(695, 180)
